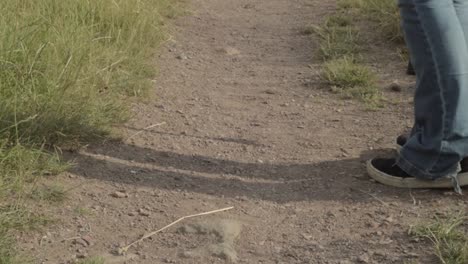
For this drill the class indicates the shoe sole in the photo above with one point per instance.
(413, 183)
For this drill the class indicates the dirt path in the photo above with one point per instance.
(247, 124)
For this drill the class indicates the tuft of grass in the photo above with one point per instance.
(353, 80)
(346, 73)
(93, 260)
(449, 237)
(83, 211)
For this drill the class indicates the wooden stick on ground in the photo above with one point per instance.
(123, 250)
(145, 129)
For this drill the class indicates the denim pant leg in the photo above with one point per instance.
(420, 57)
(436, 39)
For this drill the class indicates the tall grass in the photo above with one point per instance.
(67, 71)
(66, 65)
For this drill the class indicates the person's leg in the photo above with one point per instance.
(436, 41)
(440, 138)
(427, 84)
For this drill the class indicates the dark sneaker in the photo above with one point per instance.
(387, 172)
(401, 141)
(410, 69)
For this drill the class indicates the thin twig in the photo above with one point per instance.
(146, 128)
(415, 202)
(123, 250)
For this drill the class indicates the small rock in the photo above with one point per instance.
(189, 254)
(231, 51)
(387, 241)
(412, 255)
(144, 212)
(182, 56)
(395, 86)
(364, 258)
(81, 256)
(80, 242)
(119, 194)
(88, 240)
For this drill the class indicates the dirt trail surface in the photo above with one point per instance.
(244, 122)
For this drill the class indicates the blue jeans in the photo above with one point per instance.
(436, 33)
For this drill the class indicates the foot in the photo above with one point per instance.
(389, 167)
(387, 172)
(402, 139)
(410, 69)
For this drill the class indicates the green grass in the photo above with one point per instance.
(69, 71)
(353, 80)
(449, 237)
(345, 73)
(69, 66)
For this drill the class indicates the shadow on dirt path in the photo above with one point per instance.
(339, 180)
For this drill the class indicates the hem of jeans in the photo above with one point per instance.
(414, 171)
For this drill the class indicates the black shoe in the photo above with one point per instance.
(387, 172)
(388, 166)
(410, 69)
(401, 141)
